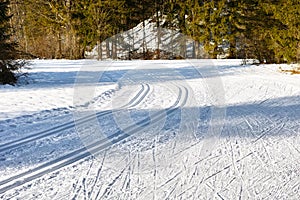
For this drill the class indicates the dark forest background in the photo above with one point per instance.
(268, 31)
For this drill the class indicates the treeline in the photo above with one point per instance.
(264, 30)
(9, 54)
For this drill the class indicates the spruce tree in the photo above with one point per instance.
(285, 35)
(8, 52)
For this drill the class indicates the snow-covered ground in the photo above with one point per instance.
(147, 37)
(189, 129)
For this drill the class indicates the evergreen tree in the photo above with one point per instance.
(264, 30)
(8, 53)
(285, 34)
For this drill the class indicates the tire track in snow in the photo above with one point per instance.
(66, 126)
(94, 148)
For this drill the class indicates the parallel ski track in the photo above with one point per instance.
(66, 126)
(92, 149)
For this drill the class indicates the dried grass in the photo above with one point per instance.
(294, 70)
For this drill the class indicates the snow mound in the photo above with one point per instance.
(146, 36)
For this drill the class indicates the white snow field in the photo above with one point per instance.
(188, 129)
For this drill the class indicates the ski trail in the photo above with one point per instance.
(155, 169)
(66, 126)
(67, 159)
(125, 186)
(82, 185)
(97, 176)
(96, 147)
(108, 189)
(168, 195)
(227, 167)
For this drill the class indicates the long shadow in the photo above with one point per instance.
(165, 73)
(249, 121)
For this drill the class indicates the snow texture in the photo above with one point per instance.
(189, 129)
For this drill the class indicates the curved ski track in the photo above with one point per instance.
(66, 126)
(93, 148)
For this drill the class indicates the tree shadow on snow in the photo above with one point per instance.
(278, 117)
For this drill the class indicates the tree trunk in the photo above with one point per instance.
(99, 45)
(158, 30)
(232, 49)
(59, 45)
(107, 49)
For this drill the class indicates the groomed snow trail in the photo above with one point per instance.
(63, 127)
(84, 152)
(158, 153)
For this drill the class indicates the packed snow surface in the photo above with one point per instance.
(188, 129)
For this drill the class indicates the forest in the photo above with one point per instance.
(265, 30)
